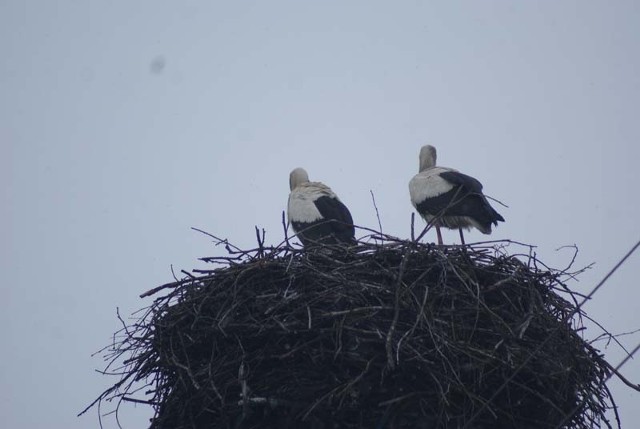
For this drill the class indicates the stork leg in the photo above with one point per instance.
(439, 235)
(462, 237)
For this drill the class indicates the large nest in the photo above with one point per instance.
(387, 335)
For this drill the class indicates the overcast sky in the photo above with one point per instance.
(125, 123)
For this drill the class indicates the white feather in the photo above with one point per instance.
(428, 184)
(301, 207)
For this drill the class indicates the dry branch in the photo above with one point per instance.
(396, 334)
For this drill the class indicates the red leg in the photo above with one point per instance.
(439, 235)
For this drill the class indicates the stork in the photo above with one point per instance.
(316, 213)
(445, 197)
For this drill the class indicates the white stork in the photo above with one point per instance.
(446, 197)
(316, 213)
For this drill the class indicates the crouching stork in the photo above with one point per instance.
(316, 213)
(446, 197)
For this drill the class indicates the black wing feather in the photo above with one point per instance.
(455, 178)
(332, 209)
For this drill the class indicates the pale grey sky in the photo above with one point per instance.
(123, 124)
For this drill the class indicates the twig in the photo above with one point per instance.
(373, 198)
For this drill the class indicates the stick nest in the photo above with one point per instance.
(388, 335)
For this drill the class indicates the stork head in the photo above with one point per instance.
(427, 157)
(297, 177)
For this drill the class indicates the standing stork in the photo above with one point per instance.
(445, 197)
(316, 213)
